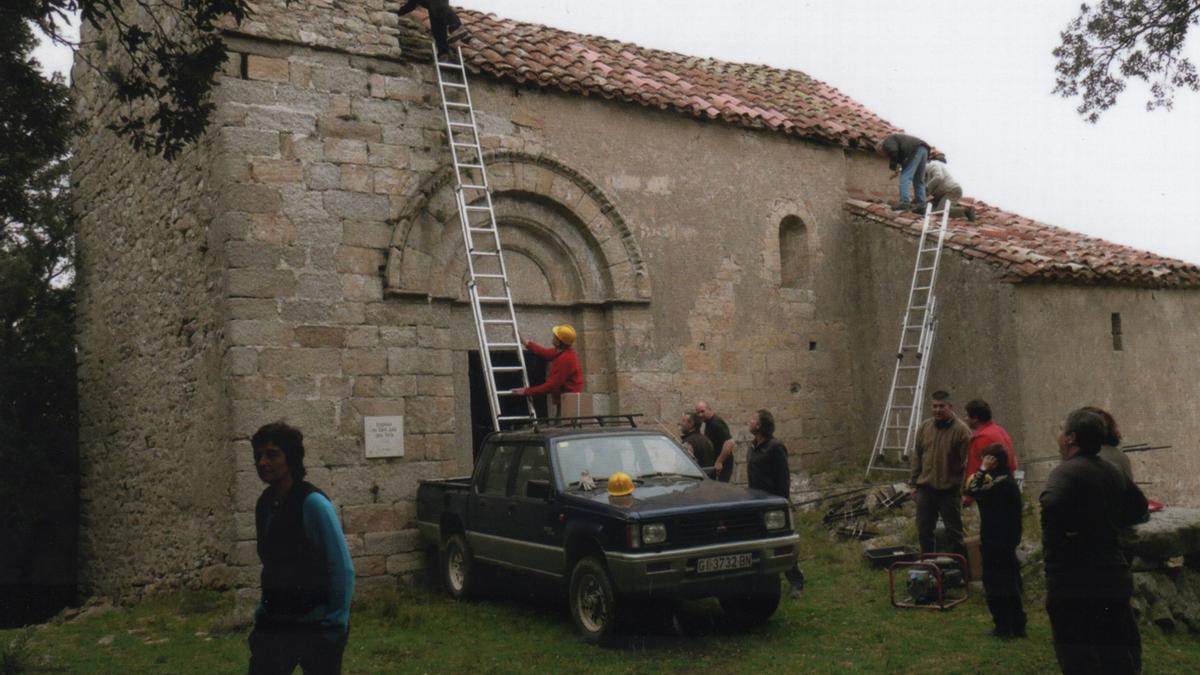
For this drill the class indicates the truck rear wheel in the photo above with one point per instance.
(753, 608)
(458, 567)
(593, 602)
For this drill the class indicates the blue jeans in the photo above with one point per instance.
(914, 173)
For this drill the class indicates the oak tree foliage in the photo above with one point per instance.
(1113, 41)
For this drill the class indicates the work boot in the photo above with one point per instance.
(460, 34)
(971, 217)
(902, 206)
(918, 209)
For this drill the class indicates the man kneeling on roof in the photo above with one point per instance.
(565, 376)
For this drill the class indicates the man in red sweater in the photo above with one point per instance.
(984, 433)
(565, 376)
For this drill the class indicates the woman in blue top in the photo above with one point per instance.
(307, 577)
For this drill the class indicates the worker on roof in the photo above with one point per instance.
(906, 158)
(566, 376)
(443, 23)
(942, 189)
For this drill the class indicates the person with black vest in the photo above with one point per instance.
(767, 470)
(999, 499)
(444, 23)
(307, 577)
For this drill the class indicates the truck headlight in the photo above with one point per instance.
(654, 533)
(776, 520)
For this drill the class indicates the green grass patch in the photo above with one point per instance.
(844, 624)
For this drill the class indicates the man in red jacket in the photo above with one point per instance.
(984, 433)
(565, 376)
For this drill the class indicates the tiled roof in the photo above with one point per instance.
(1029, 251)
(755, 96)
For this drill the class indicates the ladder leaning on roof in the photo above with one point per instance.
(902, 412)
(487, 282)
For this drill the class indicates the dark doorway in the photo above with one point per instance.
(481, 417)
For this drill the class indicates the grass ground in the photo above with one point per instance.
(844, 624)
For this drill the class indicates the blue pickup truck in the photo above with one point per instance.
(538, 503)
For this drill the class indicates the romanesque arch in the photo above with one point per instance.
(564, 240)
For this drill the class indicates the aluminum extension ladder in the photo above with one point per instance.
(487, 284)
(902, 413)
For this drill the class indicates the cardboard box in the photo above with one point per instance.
(574, 405)
(974, 557)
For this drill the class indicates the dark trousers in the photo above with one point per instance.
(1002, 587)
(442, 22)
(278, 652)
(948, 504)
(1094, 635)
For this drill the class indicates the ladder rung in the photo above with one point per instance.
(928, 250)
(467, 125)
(503, 345)
(469, 166)
(505, 418)
(491, 253)
(912, 309)
(465, 145)
(451, 104)
(489, 276)
(482, 229)
(925, 269)
(507, 369)
(906, 386)
(473, 187)
(902, 407)
(453, 84)
(498, 321)
(922, 288)
(876, 468)
(492, 298)
(445, 64)
(477, 208)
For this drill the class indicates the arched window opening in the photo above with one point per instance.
(793, 252)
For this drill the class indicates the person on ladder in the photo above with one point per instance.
(566, 375)
(443, 23)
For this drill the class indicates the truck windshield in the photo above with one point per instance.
(638, 456)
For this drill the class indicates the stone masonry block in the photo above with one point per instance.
(397, 386)
(362, 336)
(259, 333)
(393, 181)
(336, 127)
(266, 170)
(270, 227)
(242, 360)
(398, 336)
(321, 176)
(345, 150)
(391, 543)
(340, 80)
(251, 198)
(250, 142)
(368, 235)
(362, 287)
(356, 178)
(303, 361)
(386, 154)
(355, 260)
(274, 118)
(355, 206)
(405, 563)
(265, 68)
(260, 283)
(428, 414)
(367, 387)
(364, 361)
(370, 566)
(320, 336)
(247, 416)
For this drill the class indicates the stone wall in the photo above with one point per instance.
(1068, 359)
(974, 352)
(155, 471)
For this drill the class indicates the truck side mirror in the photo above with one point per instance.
(538, 489)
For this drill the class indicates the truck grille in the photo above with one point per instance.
(715, 528)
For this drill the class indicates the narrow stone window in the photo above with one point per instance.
(243, 66)
(812, 346)
(1118, 344)
(793, 252)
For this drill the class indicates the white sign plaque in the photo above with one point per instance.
(384, 436)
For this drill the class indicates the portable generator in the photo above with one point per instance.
(932, 581)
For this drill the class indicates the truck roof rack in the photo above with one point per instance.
(627, 419)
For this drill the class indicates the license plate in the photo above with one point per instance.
(724, 563)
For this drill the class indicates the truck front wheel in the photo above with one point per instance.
(458, 567)
(593, 602)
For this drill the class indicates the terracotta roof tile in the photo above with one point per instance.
(1029, 251)
(749, 95)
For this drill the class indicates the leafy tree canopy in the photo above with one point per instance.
(1116, 40)
(161, 56)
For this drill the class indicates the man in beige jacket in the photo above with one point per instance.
(937, 473)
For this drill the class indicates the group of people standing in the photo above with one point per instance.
(1088, 500)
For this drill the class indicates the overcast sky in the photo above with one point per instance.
(971, 76)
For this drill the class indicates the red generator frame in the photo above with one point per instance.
(926, 562)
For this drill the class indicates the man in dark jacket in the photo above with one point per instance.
(701, 448)
(718, 434)
(999, 499)
(906, 156)
(1085, 504)
(307, 577)
(767, 470)
(443, 23)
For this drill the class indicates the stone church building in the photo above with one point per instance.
(713, 229)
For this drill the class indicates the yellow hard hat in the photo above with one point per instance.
(620, 484)
(565, 333)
